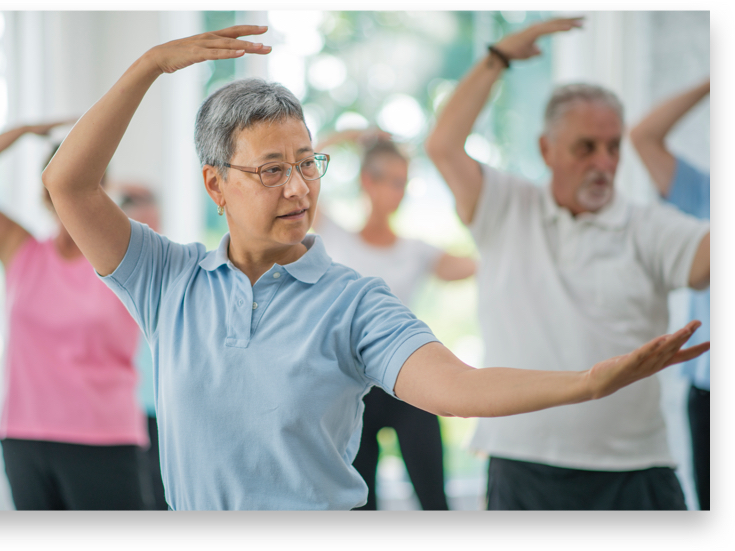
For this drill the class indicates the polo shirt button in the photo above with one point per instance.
(255, 305)
(240, 302)
(276, 275)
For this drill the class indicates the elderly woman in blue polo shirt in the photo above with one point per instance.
(263, 348)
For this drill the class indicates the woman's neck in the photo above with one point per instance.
(377, 231)
(254, 263)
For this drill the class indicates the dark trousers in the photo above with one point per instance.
(699, 426)
(153, 467)
(420, 441)
(521, 485)
(60, 476)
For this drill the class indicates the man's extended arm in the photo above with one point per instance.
(649, 135)
(445, 145)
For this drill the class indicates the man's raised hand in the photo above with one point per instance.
(522, 44)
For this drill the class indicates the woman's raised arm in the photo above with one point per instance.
(97, 225)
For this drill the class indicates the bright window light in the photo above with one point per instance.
(402, 116)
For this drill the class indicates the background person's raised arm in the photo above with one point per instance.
(95, 222)
(649, 135)
(445, 145)
(12, 234)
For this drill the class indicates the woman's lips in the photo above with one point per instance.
(294, 215)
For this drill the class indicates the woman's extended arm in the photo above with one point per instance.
(97, 225)
(435, 380)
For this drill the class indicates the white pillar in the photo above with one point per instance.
(183, 199)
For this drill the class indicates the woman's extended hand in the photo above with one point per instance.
(522, 44)
(610, 375)
(222, 44)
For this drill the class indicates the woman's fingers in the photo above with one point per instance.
(688, 354)
(670, 345)
(235, 45)
(241, 30)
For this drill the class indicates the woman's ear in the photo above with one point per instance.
(213, 184)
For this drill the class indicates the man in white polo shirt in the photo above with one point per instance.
(569, 274)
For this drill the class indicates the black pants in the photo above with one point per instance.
(60, 476)
(153, 467)
(420, 441)
(516, 485)
(699, 427)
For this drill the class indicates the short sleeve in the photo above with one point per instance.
(668, 240)
(690, 190)
(384, 334)
(496, 195)
(151, 265)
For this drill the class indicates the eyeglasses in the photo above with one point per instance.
(279, 173)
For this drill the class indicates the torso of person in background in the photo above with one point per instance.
(403, 265)
(69, 372)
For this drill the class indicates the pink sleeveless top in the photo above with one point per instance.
(69, 373)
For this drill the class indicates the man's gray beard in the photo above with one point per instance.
(591, 197)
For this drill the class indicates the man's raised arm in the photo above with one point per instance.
(445, 145)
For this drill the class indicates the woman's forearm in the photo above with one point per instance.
(500, 391)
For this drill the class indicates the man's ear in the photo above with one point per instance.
(544, 146)
(213, 184)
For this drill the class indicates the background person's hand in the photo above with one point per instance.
(44, 128)
(222, 44)
(610, 375)
(522, 44)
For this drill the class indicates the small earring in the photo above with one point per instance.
(220, 210)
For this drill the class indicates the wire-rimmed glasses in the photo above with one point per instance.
(278, 173)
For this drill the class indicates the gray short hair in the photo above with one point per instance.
(564, 97)
(238, 105)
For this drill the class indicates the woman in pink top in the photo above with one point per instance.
(71, 427)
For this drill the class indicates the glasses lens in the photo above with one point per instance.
(274, 174)
(314, 167)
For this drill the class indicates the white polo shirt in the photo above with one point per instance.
(559, 292)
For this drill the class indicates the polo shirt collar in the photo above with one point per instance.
(611, 216)
(314, 264)
(308, 269)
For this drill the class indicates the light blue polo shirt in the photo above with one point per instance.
(690, 192)
(258, 388)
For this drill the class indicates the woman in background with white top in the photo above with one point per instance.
(403, 264)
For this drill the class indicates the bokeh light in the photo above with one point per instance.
(326, 72)
(402, 116)
(351, 120)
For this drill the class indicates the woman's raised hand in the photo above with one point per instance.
(610, 375)
(222, 44)
(522, 44)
